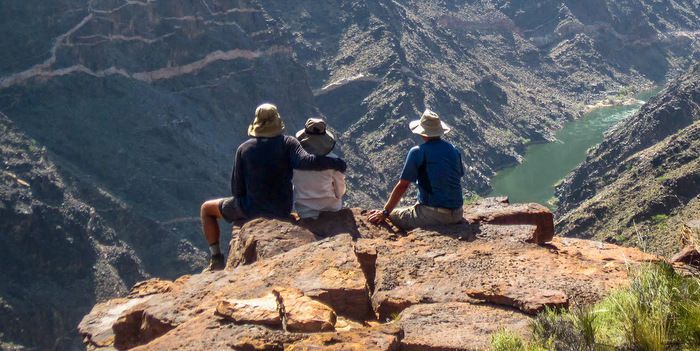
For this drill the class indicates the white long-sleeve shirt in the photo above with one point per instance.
(316, 191)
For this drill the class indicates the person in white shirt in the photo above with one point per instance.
(317, 191)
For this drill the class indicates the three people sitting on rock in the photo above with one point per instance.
(274, 173)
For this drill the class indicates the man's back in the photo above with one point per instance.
(265, 167)
(437, 166)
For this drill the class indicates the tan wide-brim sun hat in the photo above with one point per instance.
(315, 138)
(429, 125)
(267, 123)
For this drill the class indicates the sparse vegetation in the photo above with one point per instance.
(507, 341)
(472, 198)
(659, 311)
(659, 218)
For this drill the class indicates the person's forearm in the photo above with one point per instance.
(396, 195)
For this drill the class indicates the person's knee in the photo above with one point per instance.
(210, 209)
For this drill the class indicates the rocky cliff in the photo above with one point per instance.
(340, 283)
(503, 73)
(642, 182)
(66, 245)
(135, 108)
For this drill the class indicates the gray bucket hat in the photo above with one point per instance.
(315, 138)
(429, 125)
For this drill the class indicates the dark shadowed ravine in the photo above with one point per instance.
(544, 165)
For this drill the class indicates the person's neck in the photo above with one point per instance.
(427, 139)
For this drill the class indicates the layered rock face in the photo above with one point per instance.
(503, 73)
(641, 184)
(65, 245)
(121, 117)
(365, 287)
(137, 107)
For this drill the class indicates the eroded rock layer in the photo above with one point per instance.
(642, 183)
(370, 289)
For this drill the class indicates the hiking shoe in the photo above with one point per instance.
(216, 263)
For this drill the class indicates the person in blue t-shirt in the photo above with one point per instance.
(436, 167)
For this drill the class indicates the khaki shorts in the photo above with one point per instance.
(418, 215)
(231, 209)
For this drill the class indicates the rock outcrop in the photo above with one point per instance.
(642, 183)
(141, 103)
(690, 238)
(366, 287)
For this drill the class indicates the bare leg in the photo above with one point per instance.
(210, 214)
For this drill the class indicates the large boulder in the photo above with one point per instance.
(263, 238)
(364, 287)
(499, 211)
(426, 267)
(263, 311)
(690, 254)
(456, 326)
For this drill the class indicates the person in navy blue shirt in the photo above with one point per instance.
(436, 168)
(261, 181)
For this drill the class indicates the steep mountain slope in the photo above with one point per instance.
(643, 181)
(503, 73)
(141, 103)
(122, 118)
(66, 244)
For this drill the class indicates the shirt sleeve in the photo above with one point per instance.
(300, 159)
(339, 186)
(237, 178)
(410, 168)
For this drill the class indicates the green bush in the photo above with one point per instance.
(659, 218)
(659, 311)
(506, 341)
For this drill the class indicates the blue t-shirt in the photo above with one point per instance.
(437, 168)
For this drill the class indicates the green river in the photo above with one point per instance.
(545, 165)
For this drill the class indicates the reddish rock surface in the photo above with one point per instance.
(528, 300)
(263, 311)
(303, 314)
(378, 288)
(262, 238)
(690, 236)
(456, 326)
(499, 211)
(688, 255)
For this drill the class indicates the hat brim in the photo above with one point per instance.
(416, 128)
(319, 145)
(267, 130)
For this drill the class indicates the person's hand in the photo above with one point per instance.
(376, 216)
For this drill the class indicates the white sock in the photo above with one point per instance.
(215, 249)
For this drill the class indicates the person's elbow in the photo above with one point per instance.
(403, 184)
(342, 165)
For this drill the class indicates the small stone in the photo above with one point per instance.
(263, 311)
(528, 300)
(303, 314)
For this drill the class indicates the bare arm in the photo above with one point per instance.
(377, 216)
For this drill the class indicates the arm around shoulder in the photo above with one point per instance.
(305, 161)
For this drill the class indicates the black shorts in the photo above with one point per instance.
(231, 209)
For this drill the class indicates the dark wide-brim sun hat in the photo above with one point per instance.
(429, 125)
(267, 122)
(315, 138)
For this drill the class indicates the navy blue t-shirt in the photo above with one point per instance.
(263, 170)
(437, 168)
